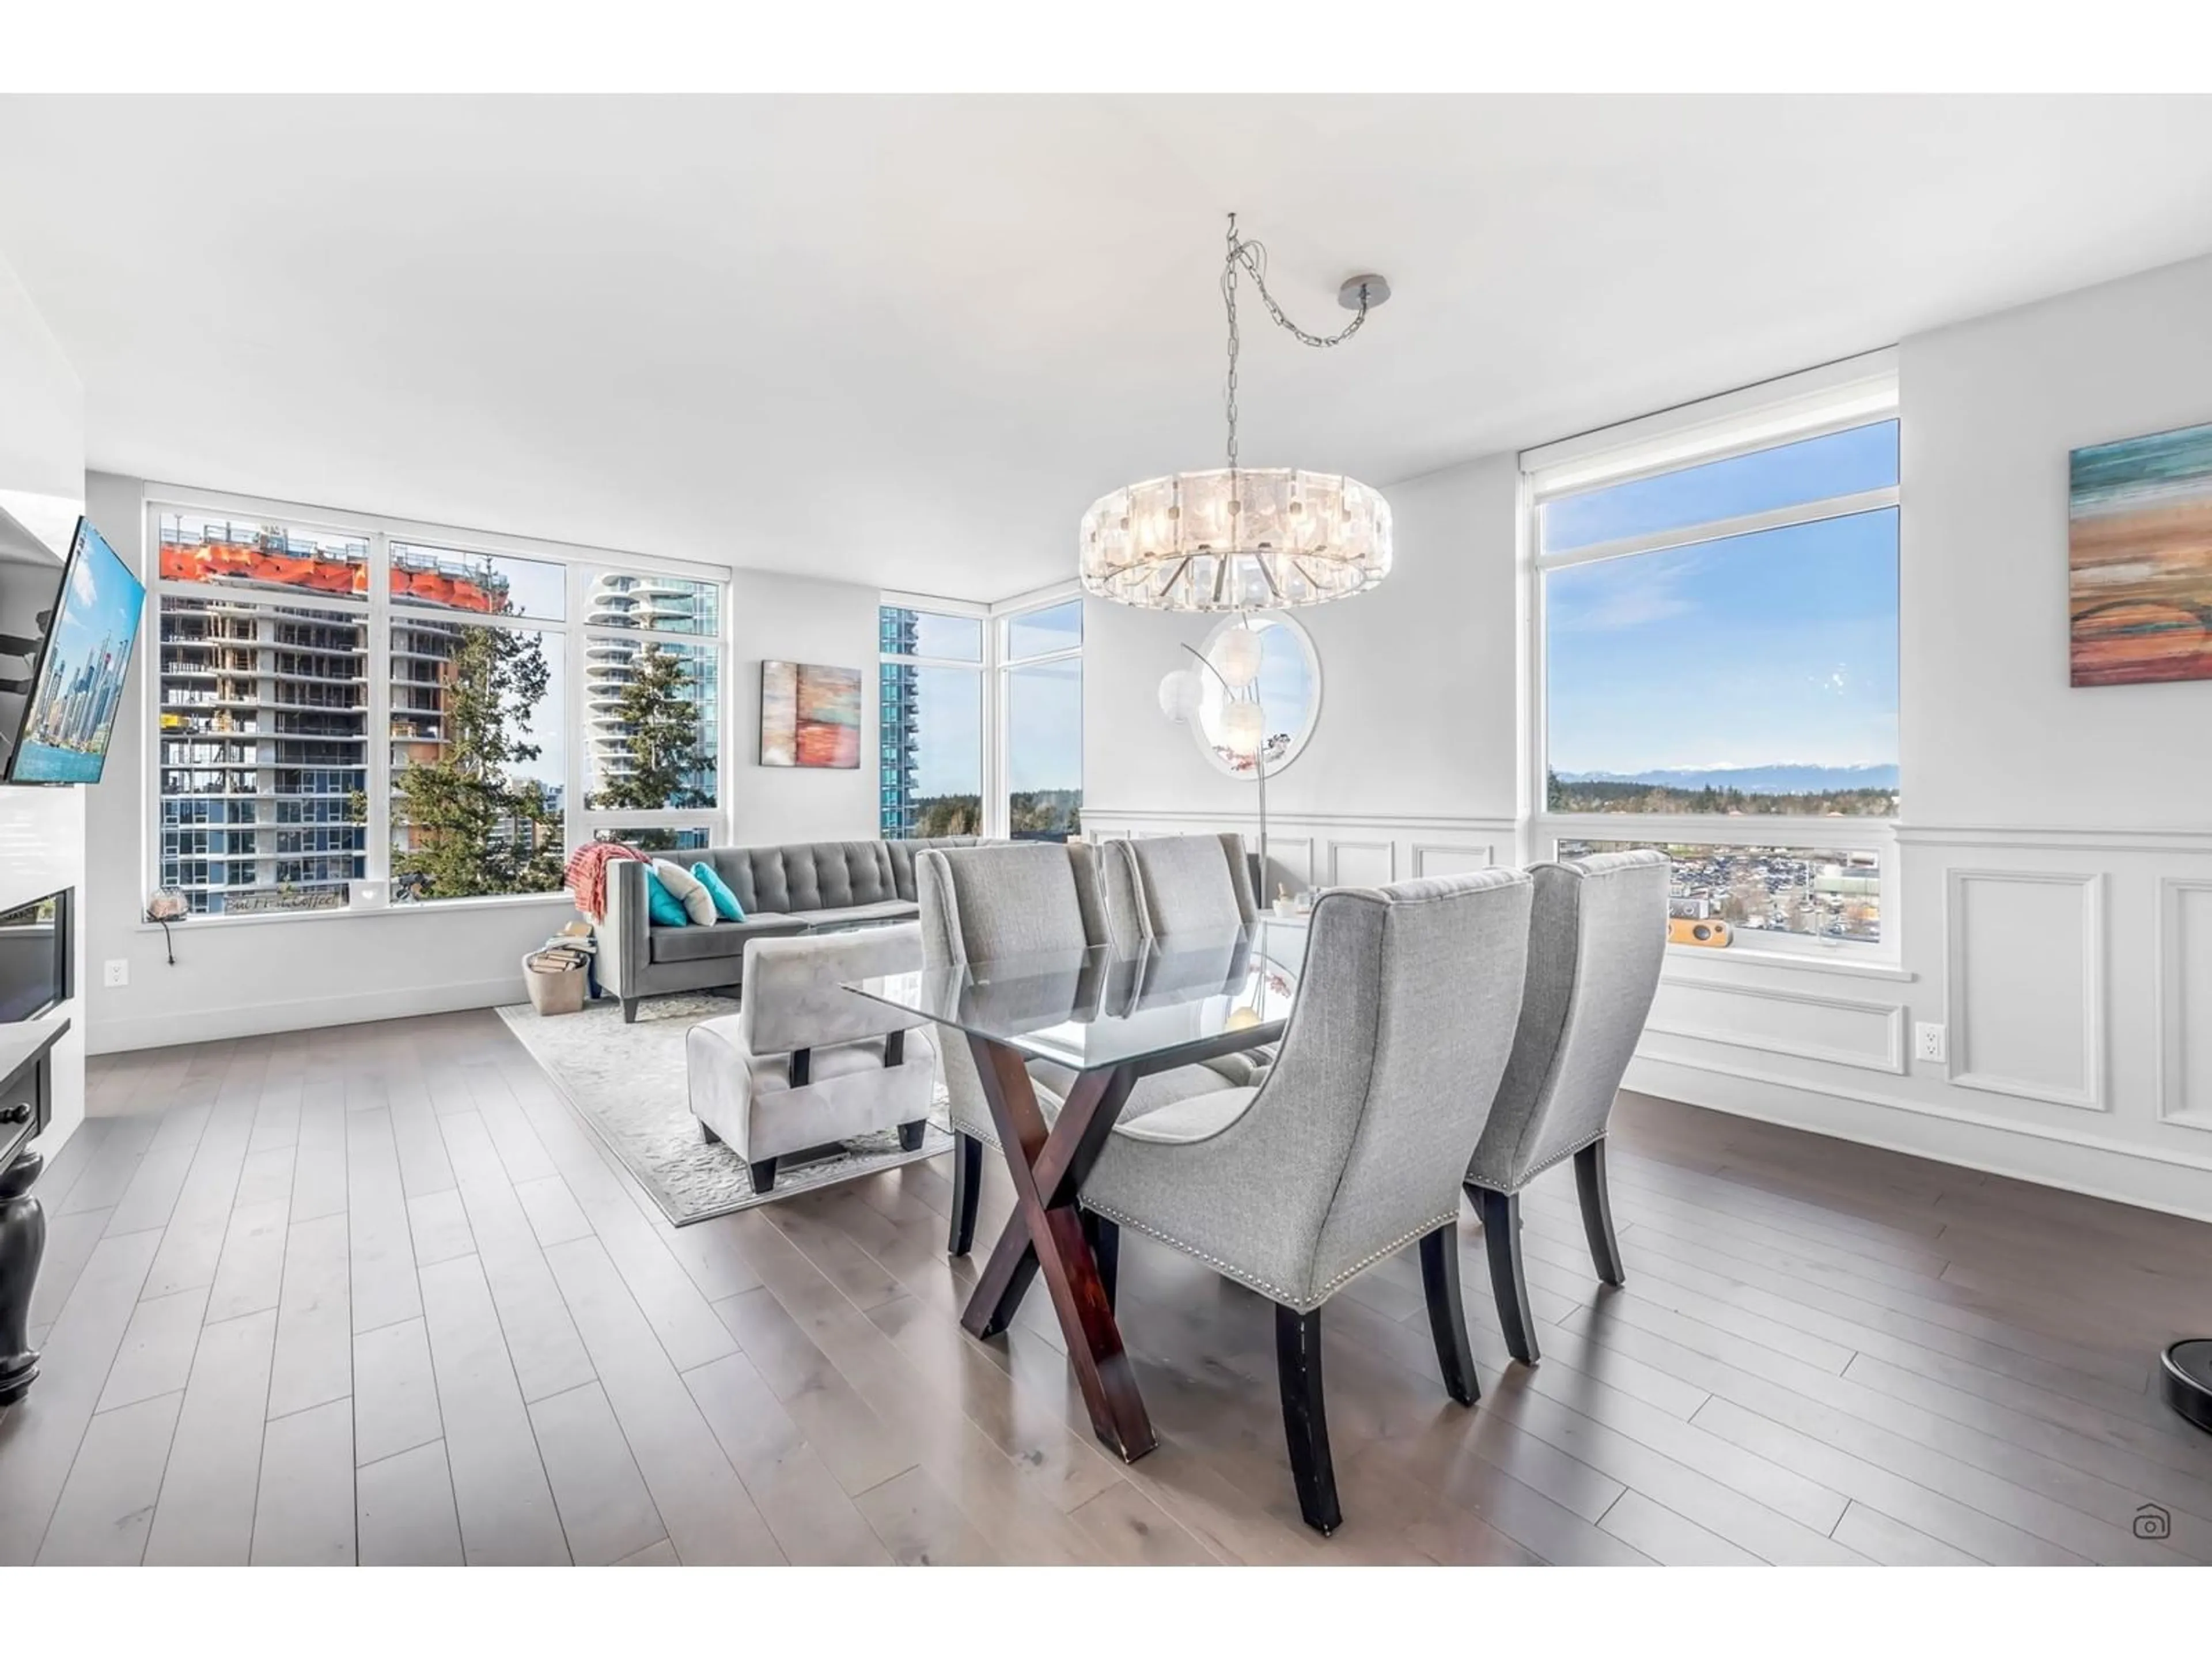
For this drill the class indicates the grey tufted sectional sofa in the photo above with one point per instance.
(804, 887)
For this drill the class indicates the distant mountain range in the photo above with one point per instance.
(1784, 779)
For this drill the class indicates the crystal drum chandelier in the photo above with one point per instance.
(1243, 538)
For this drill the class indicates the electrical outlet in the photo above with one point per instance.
(115, 971)
(1928, 1041)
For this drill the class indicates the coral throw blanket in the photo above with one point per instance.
(587, 874)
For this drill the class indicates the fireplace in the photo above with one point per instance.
(35, 953)
(35, 956)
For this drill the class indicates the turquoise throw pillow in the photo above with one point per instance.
(667, 910)
(726, 901)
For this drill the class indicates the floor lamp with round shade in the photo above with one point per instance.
(1244, 721)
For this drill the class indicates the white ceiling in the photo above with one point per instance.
(907, 341)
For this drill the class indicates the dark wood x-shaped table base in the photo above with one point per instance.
(1048, 1162)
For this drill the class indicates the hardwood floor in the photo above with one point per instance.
(374, 1294)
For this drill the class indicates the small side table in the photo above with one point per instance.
(26, 1106)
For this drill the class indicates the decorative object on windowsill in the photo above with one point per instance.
(1709, 931)
(1237, 538)
(167, 905)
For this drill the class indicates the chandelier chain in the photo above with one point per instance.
(1252, 256)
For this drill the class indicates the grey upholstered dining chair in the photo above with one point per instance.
(986, 903)
(1597, 938)
(1159, 886)
(1352, 1147)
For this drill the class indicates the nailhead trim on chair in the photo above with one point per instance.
(1275, 1293)
(1561, 1159)
(1391, 1249)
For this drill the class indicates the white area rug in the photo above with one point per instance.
(628, 1083)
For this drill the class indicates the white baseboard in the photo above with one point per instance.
(112, 1036)
(2148, 1179)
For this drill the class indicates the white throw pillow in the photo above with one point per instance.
(688, 891)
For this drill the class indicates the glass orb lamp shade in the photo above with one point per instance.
(1179, 694)
(1255, 540)
(1236, 657)
(1243, 728)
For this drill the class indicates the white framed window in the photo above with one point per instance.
(981, 716)
(1714, 652)
(349, 710)
(930, 697)
(1040, 718)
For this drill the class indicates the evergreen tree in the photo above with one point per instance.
(948, 814)
(661, 730)
(475, 829)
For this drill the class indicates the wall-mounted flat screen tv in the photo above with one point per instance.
(79, 652)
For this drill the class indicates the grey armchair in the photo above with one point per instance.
(804, 1062)
(1596, 938)
(984, 904)
(1352, 1147)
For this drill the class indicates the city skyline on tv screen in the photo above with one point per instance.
(78, 692)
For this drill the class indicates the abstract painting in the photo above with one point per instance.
(2140, 518)
(809, 715)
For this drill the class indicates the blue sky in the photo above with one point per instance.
(1045, 723)
(1812, 469)
(1044, 713)
(1780, 646)
(104, 603)
(949, 759)
(1758, 650)
(1044, 726)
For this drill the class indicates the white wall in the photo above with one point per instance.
(1411, 768)
(799, 619)
(235, 977)
(1992, 409)
(2054, 874)
(2056, 850)
(42, 455)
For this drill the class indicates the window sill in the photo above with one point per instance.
(439, 907)
(1814, 961)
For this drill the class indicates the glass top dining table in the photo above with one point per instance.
(1111, 1016)
(1150, 1006)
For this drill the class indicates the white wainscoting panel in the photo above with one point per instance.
(1362, 863)
(2185, 1000)
(1452, 858)
(2025, 959)
(1290, 863)
(1851, 1032)
(1308, 850)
